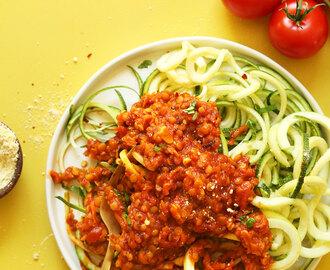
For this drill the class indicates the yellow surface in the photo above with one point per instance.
(38, 41)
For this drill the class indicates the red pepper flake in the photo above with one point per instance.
(86, 120)
(32, 84)
(33, 127)
(100, 124)
(89, 55)
(244, 76)
(92, 108)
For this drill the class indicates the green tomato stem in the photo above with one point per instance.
(299, 16)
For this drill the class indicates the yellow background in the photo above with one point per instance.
(38, 41)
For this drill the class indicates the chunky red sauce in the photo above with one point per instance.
(189, 195)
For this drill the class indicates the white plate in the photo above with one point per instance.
(116, 73)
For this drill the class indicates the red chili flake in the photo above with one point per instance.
(244, 76)
(100, 124)
(86, 120)
(89, 55)
(92, 108)
(33, 127)
(32, 84)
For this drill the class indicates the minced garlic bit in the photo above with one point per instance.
(84, 164)
(8, 154)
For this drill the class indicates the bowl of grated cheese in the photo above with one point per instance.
(11, 159)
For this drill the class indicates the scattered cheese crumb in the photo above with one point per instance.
(147, 222)
(75, 59)
(235, 204)
(231, 191)
(62, 76)
(86, 44)
(35, 256)
(230, 210)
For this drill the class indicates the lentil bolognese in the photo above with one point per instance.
(179, 194)
(178, 180)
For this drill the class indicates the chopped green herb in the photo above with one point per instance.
(145, 64)
(115, 255)
(226, 131)
(266, 109)
(126, 196)
(129, 221)
(248, 222)
(126, 217)
(195, 116)
(192, 109)
(159, 148)
(123, 197)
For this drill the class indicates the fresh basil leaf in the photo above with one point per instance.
(145, 64)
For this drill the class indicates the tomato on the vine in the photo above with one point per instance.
(251, 9)
(298, 29)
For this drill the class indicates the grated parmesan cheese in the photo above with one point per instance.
(8, 154)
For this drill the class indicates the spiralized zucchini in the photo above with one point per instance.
(284, 139)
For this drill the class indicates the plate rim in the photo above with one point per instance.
(252, 53)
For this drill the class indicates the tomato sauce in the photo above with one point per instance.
(186, 194)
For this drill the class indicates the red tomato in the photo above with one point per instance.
(251, 9)
(294, 41)
(94, 235)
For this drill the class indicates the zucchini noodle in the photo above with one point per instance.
(283, 139)
(243, 92)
